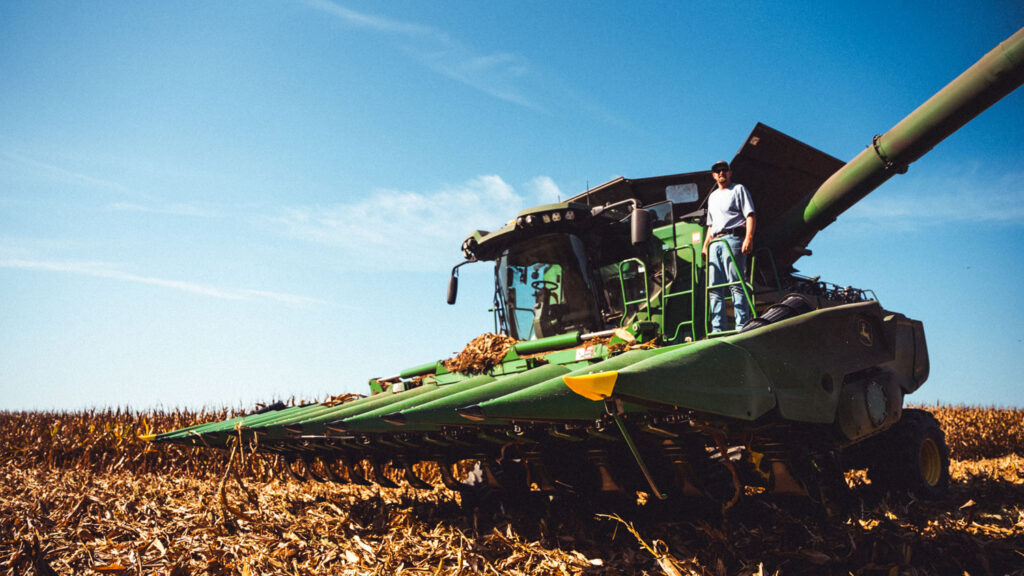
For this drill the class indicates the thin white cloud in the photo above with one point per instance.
(376, 23)
(499, 74)
(503, 75)
(104, 270)
(545, 189)
(960, 197)
(404, 230)
(164, 209)
(64, 175)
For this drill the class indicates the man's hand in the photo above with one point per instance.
(748, 245)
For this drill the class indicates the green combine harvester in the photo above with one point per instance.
(604, 377)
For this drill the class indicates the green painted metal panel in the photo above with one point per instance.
(796, 364)
(807, 357)
(550, 343)
(349, 408)
(428, 368)
(552, 400)
(371, 421)
(277, 430)
(712, 376)
(273, 420)
(173, 435)
(319, 424)
(442, 411)
(229, 424)
(227, 429)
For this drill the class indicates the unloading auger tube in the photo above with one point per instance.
(605, 380)
(997, 74)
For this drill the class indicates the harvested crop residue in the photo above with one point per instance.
(79, 494)
(481, 354)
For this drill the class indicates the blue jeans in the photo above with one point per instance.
(722, 270)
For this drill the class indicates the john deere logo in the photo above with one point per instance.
(864, 333)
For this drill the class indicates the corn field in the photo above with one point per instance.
(80, 493)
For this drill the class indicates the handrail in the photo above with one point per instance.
(622, 286)
(665, 295)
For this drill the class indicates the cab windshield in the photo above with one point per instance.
(544, 288)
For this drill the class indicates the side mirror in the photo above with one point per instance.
(640, 226)
(453, 288)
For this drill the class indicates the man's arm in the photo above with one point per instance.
(707, 235)
(748, 240)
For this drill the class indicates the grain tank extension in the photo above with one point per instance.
(603, 377)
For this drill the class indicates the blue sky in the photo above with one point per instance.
(220, 203)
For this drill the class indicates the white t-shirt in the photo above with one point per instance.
(728, 208)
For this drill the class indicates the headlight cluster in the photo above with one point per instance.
(545, 218)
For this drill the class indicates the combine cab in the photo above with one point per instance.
(605, 377)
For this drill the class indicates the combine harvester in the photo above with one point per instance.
(605, 379)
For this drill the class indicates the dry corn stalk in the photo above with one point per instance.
(481, 354)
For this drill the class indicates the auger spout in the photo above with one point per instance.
(996, 75)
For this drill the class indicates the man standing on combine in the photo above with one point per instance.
(731, 221)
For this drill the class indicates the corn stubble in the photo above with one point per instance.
(81, 494)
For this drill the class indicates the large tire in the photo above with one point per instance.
(915, 457)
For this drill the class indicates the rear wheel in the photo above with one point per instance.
(915, 458)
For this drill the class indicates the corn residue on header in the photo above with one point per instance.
(481, 354)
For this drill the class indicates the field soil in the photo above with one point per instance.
(102, 502)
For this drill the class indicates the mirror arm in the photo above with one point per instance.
(453, 281)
